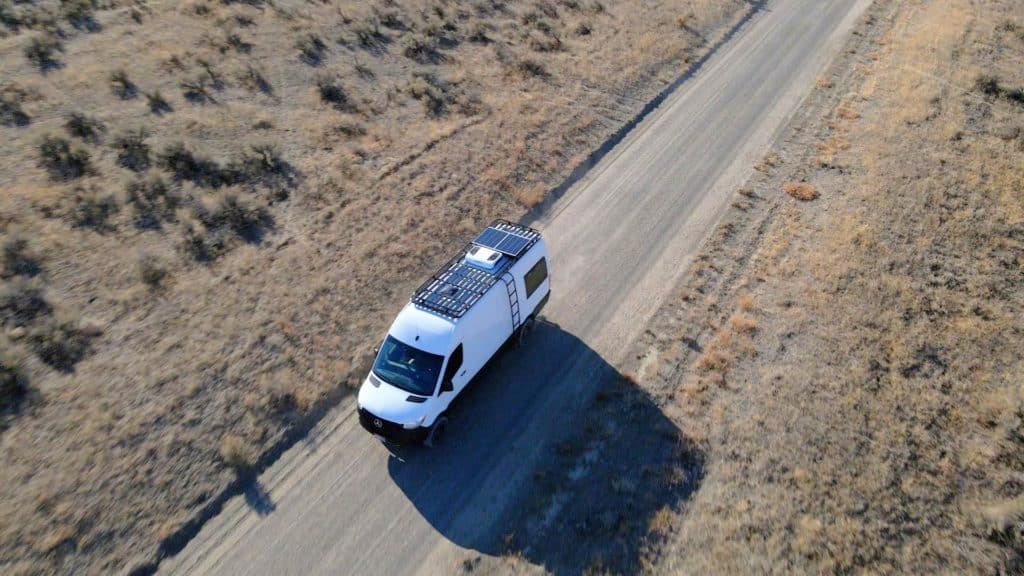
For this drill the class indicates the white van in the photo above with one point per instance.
(451, 327)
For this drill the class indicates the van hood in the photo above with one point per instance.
(389, 402)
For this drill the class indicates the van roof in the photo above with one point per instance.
(455, 287)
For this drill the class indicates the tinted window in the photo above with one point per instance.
(536, 276)
(408, 368)
(454, 363)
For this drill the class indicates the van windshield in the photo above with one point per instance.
(408, 368)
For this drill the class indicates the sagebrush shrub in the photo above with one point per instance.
(187, 165)
(22, 300)
(153, 201)
(59, 342)
(530, 67)
(988, 84)
(12, 100)
(41, 51)
(93, 208)
(421, 49)
(157, 103)
(122, 85)
(151, 270)
(236, 453)
(62, 160)
(84, 127)
(13, 384)
(311, 49)
(331, 92)
(19, 259)
(132, 150)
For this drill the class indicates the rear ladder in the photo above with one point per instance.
(513, 299)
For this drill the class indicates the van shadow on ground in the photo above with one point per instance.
(610, 462)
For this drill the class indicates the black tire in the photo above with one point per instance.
(436, 432)
(524, 330)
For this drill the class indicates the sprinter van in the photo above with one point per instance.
(453, 324)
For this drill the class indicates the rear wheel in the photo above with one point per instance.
(436, 432)
(524, 330)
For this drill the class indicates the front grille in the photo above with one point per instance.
(390, 430)
(369, 421)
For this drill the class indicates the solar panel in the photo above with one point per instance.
(513, 245)
(490, 238)
(502, 241)
(457, 286)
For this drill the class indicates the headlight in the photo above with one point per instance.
(416, 424)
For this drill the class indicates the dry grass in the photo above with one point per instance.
(223, 203)
(875, 425)
(802, 191)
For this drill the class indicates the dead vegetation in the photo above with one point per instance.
(854, 381)
(802, 191)
(210, 210)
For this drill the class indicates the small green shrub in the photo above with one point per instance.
(62, 160)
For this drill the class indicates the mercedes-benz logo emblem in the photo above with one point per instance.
(378, 423)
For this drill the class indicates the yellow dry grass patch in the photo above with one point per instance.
(802, 191)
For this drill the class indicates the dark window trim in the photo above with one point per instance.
(526, 278)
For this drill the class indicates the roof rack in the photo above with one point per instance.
(456, 286)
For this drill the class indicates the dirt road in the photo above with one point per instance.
(620, 238)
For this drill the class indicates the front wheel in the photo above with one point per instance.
(436, 432)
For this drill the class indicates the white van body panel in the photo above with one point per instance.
(481, 331)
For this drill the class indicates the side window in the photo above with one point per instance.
(454, 363)
(536, 276)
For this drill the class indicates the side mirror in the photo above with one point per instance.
(376, 350)
(447, 386)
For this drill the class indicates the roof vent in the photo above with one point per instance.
(483, 257)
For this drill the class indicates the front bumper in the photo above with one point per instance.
(390, 430)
